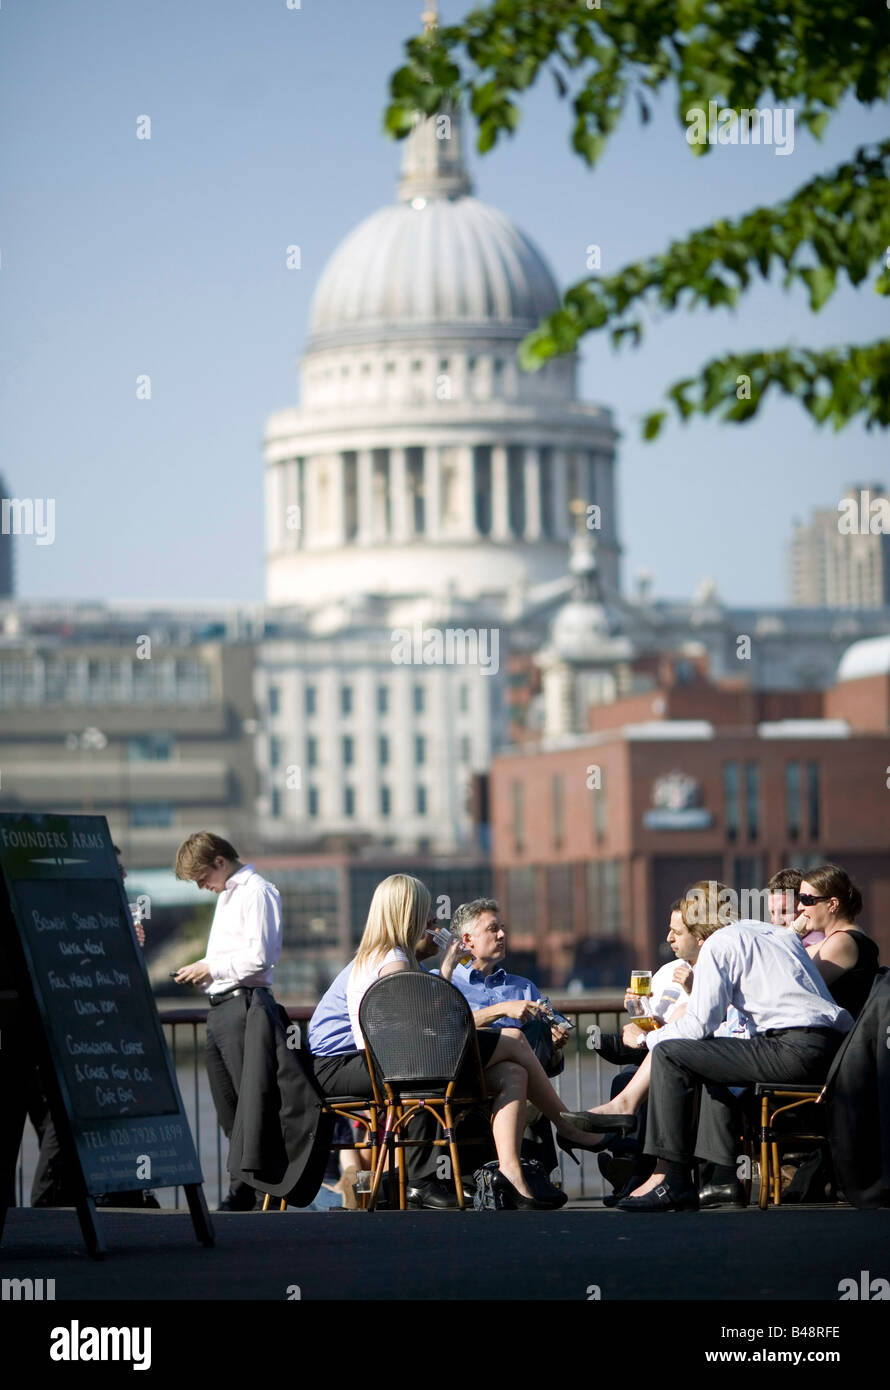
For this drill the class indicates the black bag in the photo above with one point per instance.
(492, 1190)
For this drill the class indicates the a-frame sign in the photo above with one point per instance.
(79, 1021)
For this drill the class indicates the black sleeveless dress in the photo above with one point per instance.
(851, 989)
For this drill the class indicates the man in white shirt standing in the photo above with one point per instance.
(244, 945)
(764, 972)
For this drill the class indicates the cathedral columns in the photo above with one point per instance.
(559, 483)
(532, 480)
(500, 517)
(365, 497)
(398, 495)
(432, 484)
(467, 490)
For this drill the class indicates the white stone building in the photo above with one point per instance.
(424, 485)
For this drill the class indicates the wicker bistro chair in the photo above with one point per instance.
(778, 1100)
(420, 1038)
(790, 1099)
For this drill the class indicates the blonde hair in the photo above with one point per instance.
(707, 906)
(397, 916)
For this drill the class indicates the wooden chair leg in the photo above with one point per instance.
(266, 1201)
(777, 1176)
(764, 1154)
(455, 1161)
(384, 1151)
(400, 1160)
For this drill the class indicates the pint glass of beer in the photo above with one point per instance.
(639, 1002)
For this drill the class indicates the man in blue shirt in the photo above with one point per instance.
(500, 1000)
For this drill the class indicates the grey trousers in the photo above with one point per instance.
(681, 1068)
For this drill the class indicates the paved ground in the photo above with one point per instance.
(799, 1253)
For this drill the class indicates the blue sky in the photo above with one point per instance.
(123, 256)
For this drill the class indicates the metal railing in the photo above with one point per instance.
(583, 1082)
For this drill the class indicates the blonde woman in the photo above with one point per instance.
(397, 919)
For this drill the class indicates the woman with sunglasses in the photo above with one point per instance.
(846, 959)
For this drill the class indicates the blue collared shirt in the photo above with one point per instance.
(480, 991)
(330, 1031)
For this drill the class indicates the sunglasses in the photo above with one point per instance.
(808, 899)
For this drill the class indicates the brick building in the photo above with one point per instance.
(595, 834)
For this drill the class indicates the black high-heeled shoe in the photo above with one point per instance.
(544, 1202)
(596, 1123)
(605, 1141)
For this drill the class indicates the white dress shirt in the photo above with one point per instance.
(360, 981)
(245, 939)
(765, 973)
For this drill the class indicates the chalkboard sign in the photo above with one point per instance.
(86, 974)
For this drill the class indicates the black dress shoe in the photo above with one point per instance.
(662, 1198)
(722, 1194)
(230, 1204)
(438, 1196)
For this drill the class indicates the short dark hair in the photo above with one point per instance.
(466, 915)
(676, 906)
(785, 880)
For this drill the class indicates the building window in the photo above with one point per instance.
(557, 794)
(419, 750)
(276, 803)
(603, 882)
(309, 699)
(311, 752)
(813, 799)
(274, 752)
(312, 802)
(382, 699)
(731, 799)
(752, 799)
(349, 801)
(385, 801)
(383, 750)
(150, 748)
(482, 475)
(516, 802)
(465, 753)
(346, 699)
(420, 801)
(348, 750)
(274, 699)
(792, 800)
(419, 699)
(560, 900)
(151, 816)
(522, 899)
(598, 812)
(464, 699)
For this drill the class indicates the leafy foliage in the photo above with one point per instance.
(741, 54)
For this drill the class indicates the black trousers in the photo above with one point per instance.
(346, 1074)
(680, 1068)
(224, 1058)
